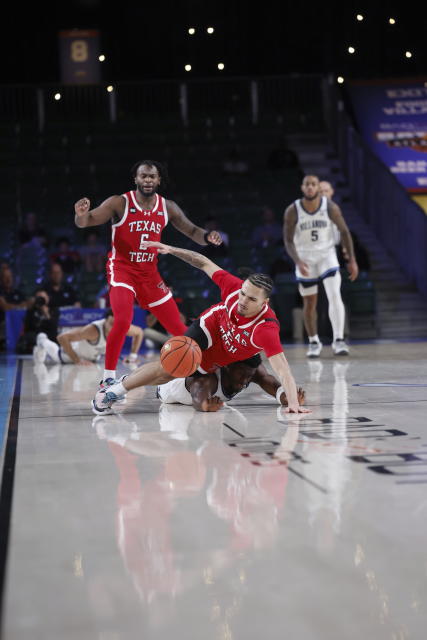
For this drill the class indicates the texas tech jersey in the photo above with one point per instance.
(313, 231)
(231, 336)
(136, 227)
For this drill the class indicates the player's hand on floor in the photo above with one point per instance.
(297, 409)
(212, 404)
(300, 395)
(85, 363)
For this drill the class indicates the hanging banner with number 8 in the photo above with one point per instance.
(79, 56)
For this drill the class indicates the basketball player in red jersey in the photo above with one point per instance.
(237, 328)
(137, 217)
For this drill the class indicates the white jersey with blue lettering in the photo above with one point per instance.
(314, 231)
(176, 392)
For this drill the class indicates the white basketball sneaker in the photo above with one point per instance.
(39, 354)
(314, 349)
(103, 401)
(340, 348)
(104, 384)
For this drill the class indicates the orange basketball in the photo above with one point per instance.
(180, 356)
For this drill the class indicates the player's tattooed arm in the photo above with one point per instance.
(87, 217)
(290, 220)
(192, 257)
(189, 229)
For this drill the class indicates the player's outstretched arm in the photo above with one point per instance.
(87, 217)
(189, 229)
(272, 386)
(88, 332)
(137, 335)
(192, 257)
(281, 368)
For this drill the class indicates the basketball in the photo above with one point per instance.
(180, 356)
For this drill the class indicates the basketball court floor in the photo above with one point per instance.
(160, 522)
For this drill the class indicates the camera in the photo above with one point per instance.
(39, 301)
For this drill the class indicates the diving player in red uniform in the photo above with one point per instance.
(137, 217)
(237, 328)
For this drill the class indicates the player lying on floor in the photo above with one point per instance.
(208, 392)
(84, 345)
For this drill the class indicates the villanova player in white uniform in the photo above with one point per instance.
(309, 240)
(209, 392)
(83, 345)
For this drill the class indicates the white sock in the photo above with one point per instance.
(313, 338)
(336, 306)
(52, 349)
(118, 389)
(109, 373)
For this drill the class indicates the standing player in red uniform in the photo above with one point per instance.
(137, 217)
(237, 328)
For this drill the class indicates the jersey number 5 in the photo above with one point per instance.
(314, 235)
(144, 238)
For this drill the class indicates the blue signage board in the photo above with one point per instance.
(392, 118)
(68, 317)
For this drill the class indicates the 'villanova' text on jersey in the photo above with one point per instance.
(313, 231)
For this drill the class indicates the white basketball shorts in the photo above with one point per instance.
(320, 265)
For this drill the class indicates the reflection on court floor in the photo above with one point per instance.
(161, 521)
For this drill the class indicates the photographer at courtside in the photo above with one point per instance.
(39, 318)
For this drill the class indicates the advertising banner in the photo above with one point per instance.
(69, 318)
(392, 118)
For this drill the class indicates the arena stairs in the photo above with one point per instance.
(401, 311)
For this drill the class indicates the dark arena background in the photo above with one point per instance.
(157, 519)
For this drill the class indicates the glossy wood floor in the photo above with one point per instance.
(164, 523)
